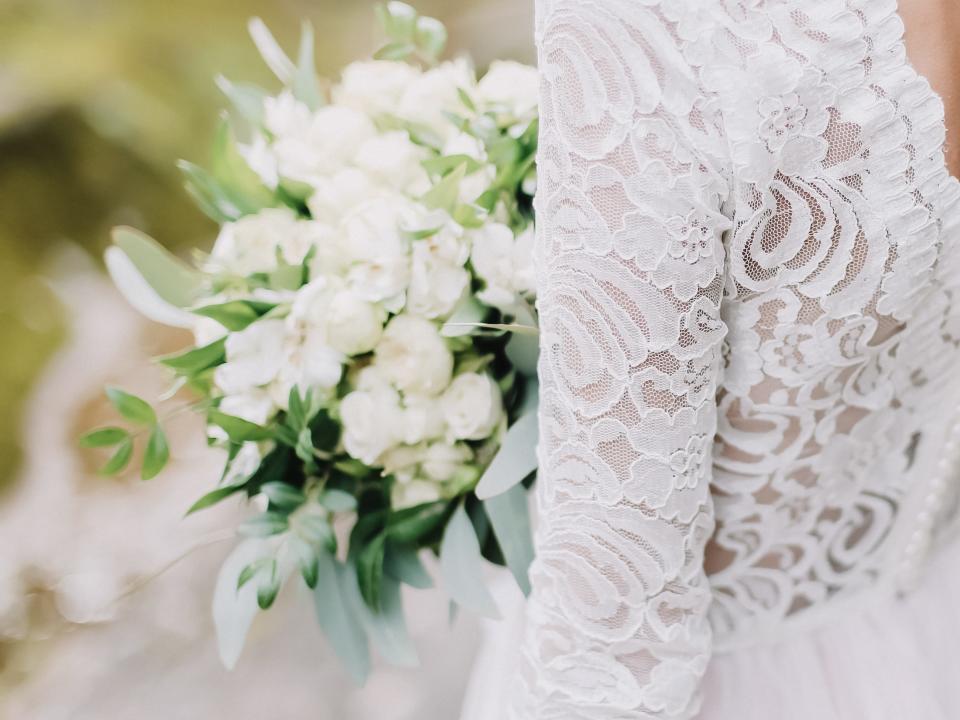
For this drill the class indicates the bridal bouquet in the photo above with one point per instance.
(365, 333)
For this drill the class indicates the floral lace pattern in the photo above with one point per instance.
(747, 290)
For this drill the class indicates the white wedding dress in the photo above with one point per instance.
(749, 290)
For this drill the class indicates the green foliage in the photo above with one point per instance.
(410, 36)
(131, 407)
(235, 315)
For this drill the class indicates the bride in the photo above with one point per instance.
(749, 257)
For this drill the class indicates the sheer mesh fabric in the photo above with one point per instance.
(747, 281)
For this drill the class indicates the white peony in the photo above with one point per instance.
(472, 406)
(413, 355)
(251, 243)
(372, 418)
(437, 277)
(512, 86)
(434, 92)
(504, 263)
(374, 87)
(254, 357)
(395, 160)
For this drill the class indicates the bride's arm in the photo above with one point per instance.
(631, 178)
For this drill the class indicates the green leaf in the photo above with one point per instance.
(270, 50)
(268, 587)
(338, 500)
(305, 85)
(234, 610)
(251, 570)
(431, 37)
(388, 628)
(466, 100)
(246, 99)
(337, 615)
(466, 315)
(131, 407)
(103, 437)
(461, 566)
(448, 163)
(173, 281)
(211, 196)
(196, 360)
(236, 178)
(215, 496)
(445, 194)
(263, 525)
(238, 429)
(234, 315)
(316, 530)
(395, 51)
(283, 495)
(411, 524)
(120, 458)
(306, 554)
(516, 458)
(370, 571)
(398, 19)
(402, 562)
(156, 455)
(510, 517)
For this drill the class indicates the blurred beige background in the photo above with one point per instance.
(98, 99)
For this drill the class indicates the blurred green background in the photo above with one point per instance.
(99, 98)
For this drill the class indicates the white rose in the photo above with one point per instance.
(413, 492)
(414, 356)
(335, 314)
(254, 405)
(512, 86)
(372, 421)
(374, 87)
(472, 406)
(435, 91)
(337, 195)
(479, 181)
(250, 244)
(377, 249)
(394, 160)
(442, 460)
(504, 263)
(437, 277)
(322, 146)
(422, 418)
(254, 357)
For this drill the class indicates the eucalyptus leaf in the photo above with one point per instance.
(233, 610)
(509, 515)
(461, 566)
(402, 562)
(170, 278)
(516, 458)
(338, 500)
(337, 616)
(263, 525)
(387, 627)
(283, 495)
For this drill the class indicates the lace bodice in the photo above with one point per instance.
(748, 269)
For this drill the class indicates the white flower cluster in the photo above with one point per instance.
(384, 268)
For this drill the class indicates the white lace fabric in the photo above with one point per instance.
(749, 335)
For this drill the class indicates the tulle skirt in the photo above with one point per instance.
(880, 657)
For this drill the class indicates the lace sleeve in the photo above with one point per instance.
(630, 261)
